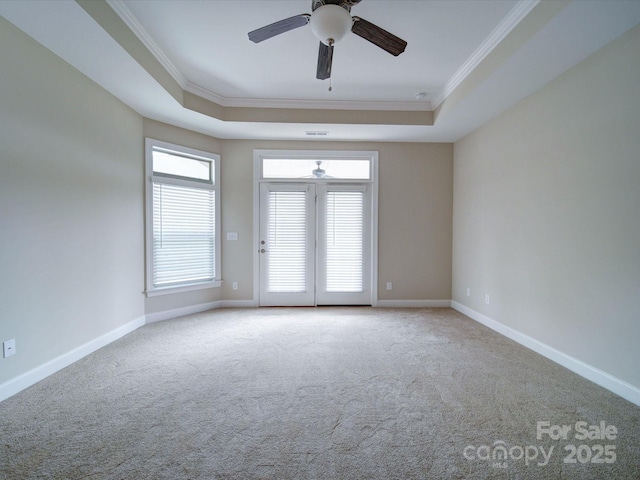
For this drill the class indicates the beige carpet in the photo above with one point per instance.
(326, 393)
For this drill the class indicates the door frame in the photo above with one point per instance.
(259, 155)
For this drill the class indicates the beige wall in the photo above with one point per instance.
(415, 210)
(415, 216)
(71, 207)
(547, 213)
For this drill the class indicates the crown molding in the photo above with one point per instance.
(207, 94)
(129, 18)
(134, 24)
(513, 18)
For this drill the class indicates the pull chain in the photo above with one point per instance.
(330, 87)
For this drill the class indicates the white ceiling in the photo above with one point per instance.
(486, 55)
(208, 43)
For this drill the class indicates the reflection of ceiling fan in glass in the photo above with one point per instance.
(319, 172)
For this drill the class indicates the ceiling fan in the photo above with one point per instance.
(318, 172)
(330, 21)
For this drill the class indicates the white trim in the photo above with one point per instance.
(257, 175)
(181, 289)
(413, 303)
(374, 227)
(134, 24)
(513, 18)
(597, 376)
(238, 304)
(27, 379)
(414, 106)
(199, 308)
(260, 154)
(182, 311)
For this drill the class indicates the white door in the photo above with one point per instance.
(287, 244)
(344, 245)
(315, 244)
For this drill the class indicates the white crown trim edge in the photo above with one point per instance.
(597, 376)
(513, 18)
(128, 17)
(423, 106)
(134, 24)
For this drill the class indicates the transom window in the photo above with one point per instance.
(317, 168)
(183, 245)
(174, 164)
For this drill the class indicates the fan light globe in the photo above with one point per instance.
(330, 23)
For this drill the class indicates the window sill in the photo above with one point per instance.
(154, 292)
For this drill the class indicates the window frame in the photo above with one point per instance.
(213, 185)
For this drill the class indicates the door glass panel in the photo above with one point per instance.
(287, 242)
(345, 240)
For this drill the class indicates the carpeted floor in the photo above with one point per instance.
(324, 393)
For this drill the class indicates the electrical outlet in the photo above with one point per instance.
(487, 299)
(468, 292)
(234, 286)
(9, 347)
(389, 286)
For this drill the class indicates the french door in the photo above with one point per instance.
(315, 244)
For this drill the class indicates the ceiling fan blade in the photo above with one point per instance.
(378, 36)
(325, 58)
(277, 28)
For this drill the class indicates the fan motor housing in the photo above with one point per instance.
(330, 23)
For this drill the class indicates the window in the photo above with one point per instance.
(183, 245)
(344, 214)
(287, 241)
(318, 167)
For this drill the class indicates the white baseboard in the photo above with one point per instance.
(19, 383)
(201, 307)
(181, 312)
(238, 304)
(599, 377)
(413, 303)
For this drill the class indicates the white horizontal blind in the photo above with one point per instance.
(287, 242)
(183, 235)
(345, 241)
